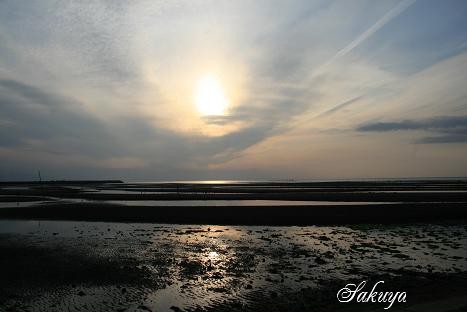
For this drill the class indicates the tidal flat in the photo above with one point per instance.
(231, 246)
(98, 266)
(234, 203)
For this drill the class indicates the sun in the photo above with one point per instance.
(210, 98)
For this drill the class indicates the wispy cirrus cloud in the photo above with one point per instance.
(386, 18)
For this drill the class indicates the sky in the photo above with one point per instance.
(293, 89)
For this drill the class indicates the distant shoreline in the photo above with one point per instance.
(240, 181)
(60, 182)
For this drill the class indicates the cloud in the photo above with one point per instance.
(452, 128)
(45, 123)
(340, 106)
(436, 123)
(386, 18)
(453, 138)
(108, 86)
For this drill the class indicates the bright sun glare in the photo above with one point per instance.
(210, 98)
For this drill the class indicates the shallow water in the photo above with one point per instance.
(22, 204)
(128, 191)
(224, 203)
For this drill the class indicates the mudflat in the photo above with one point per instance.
(252, 203)
(262, 246)
(96, 266)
